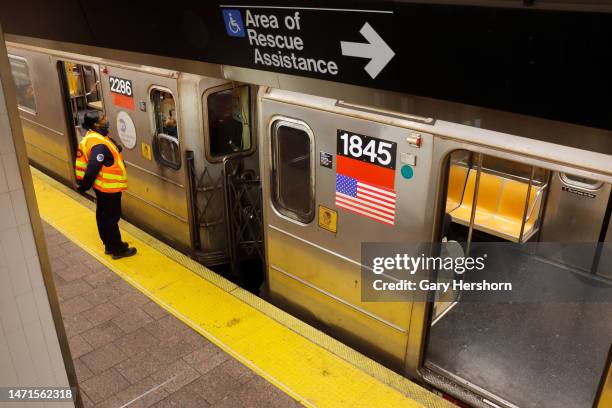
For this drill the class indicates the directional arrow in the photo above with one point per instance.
(376, 49)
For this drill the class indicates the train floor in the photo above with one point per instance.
(128, 351)
(517, 351)
(158, 329)
(535, 353)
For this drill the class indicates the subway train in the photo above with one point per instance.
(280, 189)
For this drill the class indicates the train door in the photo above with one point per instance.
(82, 93)
(334, 176)
(143, 109)
(543, 340)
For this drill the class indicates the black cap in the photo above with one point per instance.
(90, 118)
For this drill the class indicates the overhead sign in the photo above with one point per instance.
(520, 59)
(376, 50)
(322, 42)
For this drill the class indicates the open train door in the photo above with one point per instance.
(81, 92)
(543, 340)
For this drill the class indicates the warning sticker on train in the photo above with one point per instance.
(328, 219)
(121, 92)
(314, 41)
(365, 176)
(326, 159)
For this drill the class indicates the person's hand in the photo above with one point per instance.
(80, 189)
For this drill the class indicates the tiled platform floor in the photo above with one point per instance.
(129, 352)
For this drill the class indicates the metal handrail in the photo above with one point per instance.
(474, 205)
(529, 186)
(171, 139)
(194, 230)
(229, 227)
(299, 158)
(535, 200)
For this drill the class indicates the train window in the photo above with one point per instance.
(292, 168)
(229, 122)
(166, 142)
(92, 87)
(23, 84)
(83, 85)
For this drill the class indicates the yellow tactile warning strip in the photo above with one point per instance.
(308, 365)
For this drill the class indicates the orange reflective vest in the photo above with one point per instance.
(110, 179)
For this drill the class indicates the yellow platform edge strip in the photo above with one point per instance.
(305, 363)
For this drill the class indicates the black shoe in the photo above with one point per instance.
(108, 251)
(124, 253)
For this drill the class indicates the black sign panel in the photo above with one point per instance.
(366, 148)
(520, 59)
(120, 86)
(330, 43)
(122, 93)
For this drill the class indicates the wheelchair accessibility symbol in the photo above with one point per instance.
(233, 23)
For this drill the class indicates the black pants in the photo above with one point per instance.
(108, 213)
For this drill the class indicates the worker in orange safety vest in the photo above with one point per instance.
(99, 164)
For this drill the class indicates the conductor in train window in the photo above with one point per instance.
(170, 124)
(227, 123)
(99, 164)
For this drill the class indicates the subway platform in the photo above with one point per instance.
(128, 351)
(159, 329)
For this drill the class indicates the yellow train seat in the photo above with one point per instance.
(488, 193)
(500, 206)
(507, 221)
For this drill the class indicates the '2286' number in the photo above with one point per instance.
(121, 86)
(366, 148)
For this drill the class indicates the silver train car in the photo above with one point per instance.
(239, 174)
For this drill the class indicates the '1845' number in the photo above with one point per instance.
(367, 148)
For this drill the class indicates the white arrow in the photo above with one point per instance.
(376, 49)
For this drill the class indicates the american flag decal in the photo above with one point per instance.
(363, 191)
